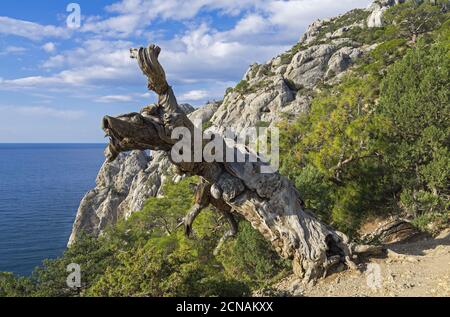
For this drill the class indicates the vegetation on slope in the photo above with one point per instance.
(147, 256)
(378, 142)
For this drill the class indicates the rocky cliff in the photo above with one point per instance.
(280, 89)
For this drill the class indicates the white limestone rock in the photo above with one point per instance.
(342, 59)
(378, 8)
(99, 206)
(309, 66)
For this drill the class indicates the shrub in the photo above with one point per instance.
(250, 258)
(12, 286)
(242, 87)
(414, 104)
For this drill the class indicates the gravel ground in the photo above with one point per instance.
(419, 268)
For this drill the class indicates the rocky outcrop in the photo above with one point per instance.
(282, 87)
(342, 59)
(264, 105)
(186, 108)
(378, 9)
(123, 186)
(313, 31)
(205, 113)
(100, 206)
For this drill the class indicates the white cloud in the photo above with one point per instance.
(250, 24)
(54, 61)
(194, 95)
(93, 52)
(133, 16)
(204, 54)
(200, 54)
(119, 26)
(42, 111)
(115, 98)
(27, 81)
(15, 49)
(132, 97)
(179, 9)
(94, 63)
(49, 47)
(12, 50)
(30, 30)
(91, 75)
(291, 14)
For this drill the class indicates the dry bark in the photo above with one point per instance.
(268, 201)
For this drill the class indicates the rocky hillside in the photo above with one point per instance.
(280, 89)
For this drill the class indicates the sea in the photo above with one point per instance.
(41, 186)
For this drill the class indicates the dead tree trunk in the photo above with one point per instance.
(268, 201)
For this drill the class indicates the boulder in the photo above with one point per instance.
(378, 8)
(342, 59)
(308, 66)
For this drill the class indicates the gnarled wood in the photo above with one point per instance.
(268, 201)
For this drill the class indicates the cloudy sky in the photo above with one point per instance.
(56, 81)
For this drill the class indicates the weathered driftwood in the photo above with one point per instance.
(268, 201)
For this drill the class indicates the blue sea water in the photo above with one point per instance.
(41, 186)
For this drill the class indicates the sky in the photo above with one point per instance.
(58, 78)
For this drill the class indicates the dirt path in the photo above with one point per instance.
(420, 268)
